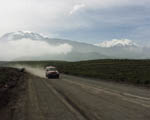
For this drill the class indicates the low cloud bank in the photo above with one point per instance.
(29, 48)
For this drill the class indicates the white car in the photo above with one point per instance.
(52, 72)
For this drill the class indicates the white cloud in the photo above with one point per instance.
(29, 48)
(49, 15)
(77, 8)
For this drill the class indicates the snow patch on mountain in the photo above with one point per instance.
(117, 43)
(23, 34)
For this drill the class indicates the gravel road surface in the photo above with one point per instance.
(75, 98)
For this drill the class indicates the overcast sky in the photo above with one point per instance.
(88, 21)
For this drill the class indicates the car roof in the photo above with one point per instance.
(50, 67)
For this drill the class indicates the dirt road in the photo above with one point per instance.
(74, 98)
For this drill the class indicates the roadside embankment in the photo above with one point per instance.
(12, 87)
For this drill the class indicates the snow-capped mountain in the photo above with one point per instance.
(124, 48)
(33, 46)
(77, 46)
(117, 43)
(25, 45)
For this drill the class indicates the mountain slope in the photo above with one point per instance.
(26, 45)
(77, 51)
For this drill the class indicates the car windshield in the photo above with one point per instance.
(51, 69)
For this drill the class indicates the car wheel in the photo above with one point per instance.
(58, 76)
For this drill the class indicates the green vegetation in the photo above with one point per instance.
(128, 71)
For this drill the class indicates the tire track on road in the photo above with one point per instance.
(34, 112)
(69, 103)
(124, 96)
